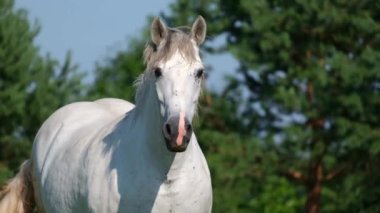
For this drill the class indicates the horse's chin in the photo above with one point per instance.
(173, 147)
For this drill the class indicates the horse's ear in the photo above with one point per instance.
(158, 31)
(198, 30)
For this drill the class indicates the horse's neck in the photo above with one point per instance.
(145, 124)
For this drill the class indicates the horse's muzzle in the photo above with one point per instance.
(177, 133)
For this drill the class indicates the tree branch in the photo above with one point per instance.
(294, 175)
(334, 173)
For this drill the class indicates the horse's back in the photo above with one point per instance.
(64, 136)
(114, 105)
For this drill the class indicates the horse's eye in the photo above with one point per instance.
(200, 73)
(157, 72)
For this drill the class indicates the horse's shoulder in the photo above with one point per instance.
(73, 122)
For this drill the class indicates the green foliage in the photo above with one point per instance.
(5, 174)
(242, 176)
(240, 183)
(278, 195)
(15, 55)
(311, 71)
(31, 86)
(116, 77)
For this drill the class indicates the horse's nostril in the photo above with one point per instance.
(168, 130)
(188, 127)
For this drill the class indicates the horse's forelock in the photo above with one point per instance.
(178, 39)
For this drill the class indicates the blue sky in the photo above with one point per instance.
(95, 29)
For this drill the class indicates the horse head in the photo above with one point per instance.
(175, 67)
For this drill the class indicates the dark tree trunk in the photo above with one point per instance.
(313, 187)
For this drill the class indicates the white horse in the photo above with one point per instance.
(111, 156)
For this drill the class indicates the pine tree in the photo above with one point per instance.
(16, 55)
(311, 69)
(116, 77)
(31, 86)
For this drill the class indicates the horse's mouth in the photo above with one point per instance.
(174, 147)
